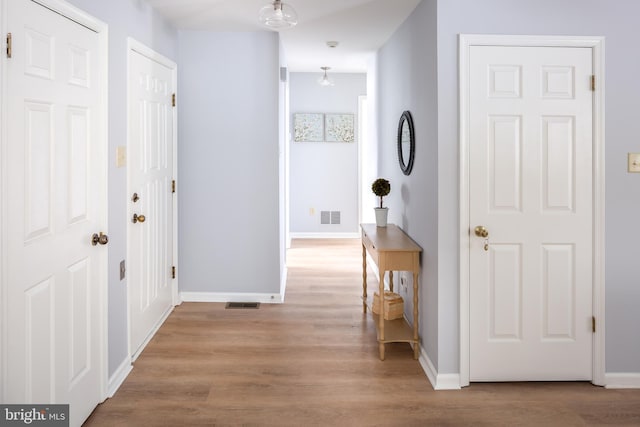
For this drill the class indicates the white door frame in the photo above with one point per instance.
(363, 110)
(73, 13)
(466, 41)
(135, 46)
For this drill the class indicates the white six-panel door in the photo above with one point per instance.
(150, 174)
(530, 186)
(55, 199)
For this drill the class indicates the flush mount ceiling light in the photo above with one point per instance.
(278, 15)
(325, 80)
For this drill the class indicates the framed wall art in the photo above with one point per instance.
(308, 127)
(339, 127)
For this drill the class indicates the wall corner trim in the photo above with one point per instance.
(622, 380)
(283, 282)
(118, 377)
(438, 381)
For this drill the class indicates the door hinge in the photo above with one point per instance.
(593, 83)
(593, 324)
(173, 272)
(9, 45)
(173, 100)
(173, 186)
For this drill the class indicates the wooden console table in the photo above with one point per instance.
(392, 250)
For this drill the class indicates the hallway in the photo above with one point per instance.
(314, 361)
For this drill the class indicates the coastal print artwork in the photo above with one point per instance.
(308, 127)
(339, 127)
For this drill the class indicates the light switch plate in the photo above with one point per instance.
(121, 156)
(633, 162)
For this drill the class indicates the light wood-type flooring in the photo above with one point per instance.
(313, 361)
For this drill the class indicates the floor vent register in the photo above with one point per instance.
(241, 305)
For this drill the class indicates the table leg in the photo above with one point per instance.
(364, 279)
(416, 347)
(391, 281)
(381, 315)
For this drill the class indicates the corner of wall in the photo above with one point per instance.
(438, 381)
(118, 377)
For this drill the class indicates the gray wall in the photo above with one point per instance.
(617, 21)
(228, 161)
(126, 18)
(406, 75)
(324, 175)
(228, 153)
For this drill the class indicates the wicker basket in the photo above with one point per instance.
(393, 305)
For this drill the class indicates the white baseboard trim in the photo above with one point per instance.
(153, 331)
(325, 235)
(622, 380)
(283, 283)
(231, 297)
(438, 381)
(119, 376)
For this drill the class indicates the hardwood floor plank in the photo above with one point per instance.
(313, 361)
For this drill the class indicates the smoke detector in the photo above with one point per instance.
(332, 44)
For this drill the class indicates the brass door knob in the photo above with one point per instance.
(138, 218)
(103, 239)
(481, 231)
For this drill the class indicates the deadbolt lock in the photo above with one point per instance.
(138, 218)
(135, 197)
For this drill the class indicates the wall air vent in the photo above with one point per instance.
(335, 217)
(325, 217)
(329, 217)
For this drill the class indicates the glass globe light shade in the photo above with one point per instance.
(278, 15)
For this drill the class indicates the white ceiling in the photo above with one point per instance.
(361, 26)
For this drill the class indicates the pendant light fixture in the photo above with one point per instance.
(278, 15)
(325, 80)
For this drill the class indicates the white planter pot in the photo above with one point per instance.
(381, 216)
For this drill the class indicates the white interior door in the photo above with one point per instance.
(150, 175)
(55, 196)
(531, 186)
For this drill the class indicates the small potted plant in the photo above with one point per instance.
(381, 188)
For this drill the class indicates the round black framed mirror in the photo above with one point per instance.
(406, 142)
